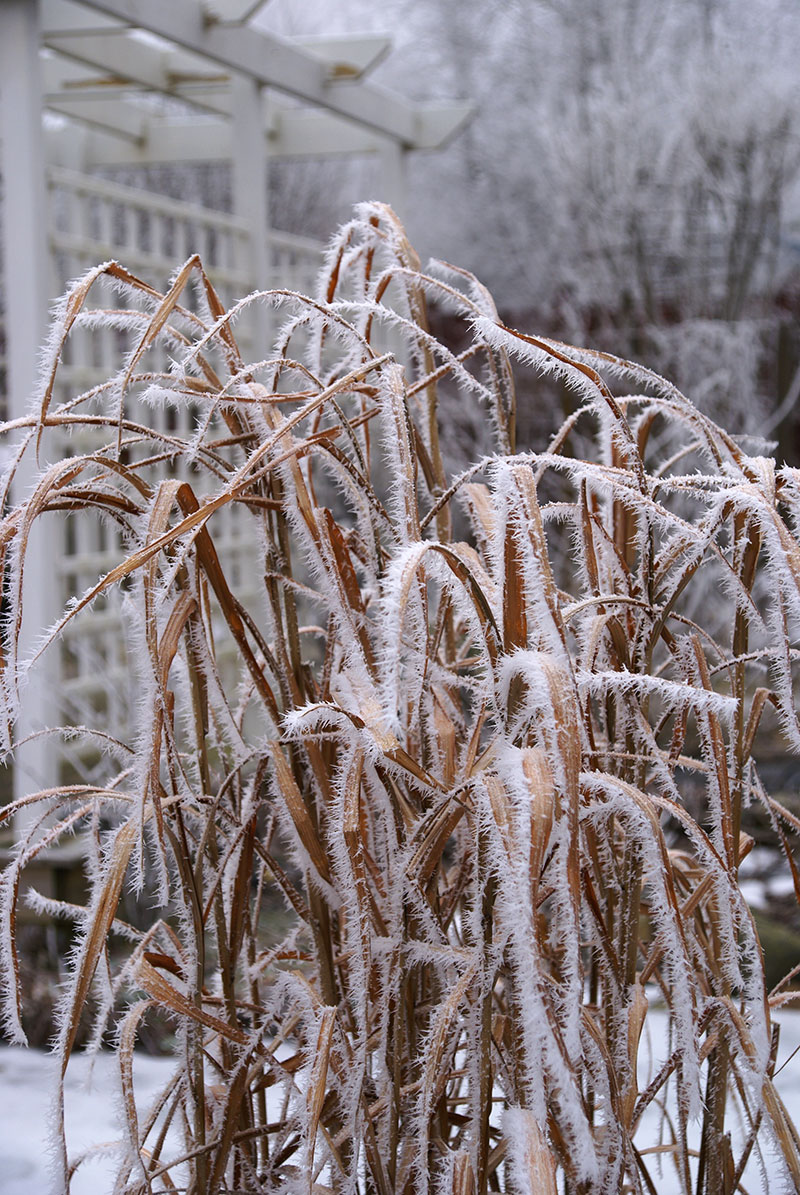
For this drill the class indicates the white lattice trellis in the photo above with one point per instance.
(92, 220)
(141, 83)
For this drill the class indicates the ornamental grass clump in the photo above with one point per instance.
(489, 738)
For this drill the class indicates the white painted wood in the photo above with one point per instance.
(27, 291)
(292, 133)
(439, 123)
(392, 179)
(178, 142)
(103, 68)
(125, 56)
(347, 58)
(111, 115)
(249, 180)
(236, 11)
(65, 76)
(268, 60)
(93, 219)
(310, 132)
(68, 17)
(174, 50)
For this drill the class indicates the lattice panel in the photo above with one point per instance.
(91, 221)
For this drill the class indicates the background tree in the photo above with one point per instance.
(645, 156)
(629, 177)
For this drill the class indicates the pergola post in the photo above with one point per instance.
(392, 179)
(249, 181)
(26, 290)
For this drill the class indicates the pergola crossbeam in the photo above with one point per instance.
(291, 133)
(347, 59)
(93, 67)
(237, 11)
(113, 116)
(191, 52)
(67, 18)
(130, 59)
(122, 57)
(270, 62)
(126, 135)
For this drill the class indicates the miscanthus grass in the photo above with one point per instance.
(489, 738)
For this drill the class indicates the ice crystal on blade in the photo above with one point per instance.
(420, 835)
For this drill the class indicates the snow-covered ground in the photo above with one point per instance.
(92, 1109)
(27, 1082)
(764, 1172)
(764, 876)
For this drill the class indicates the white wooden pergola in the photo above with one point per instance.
(86, 84)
